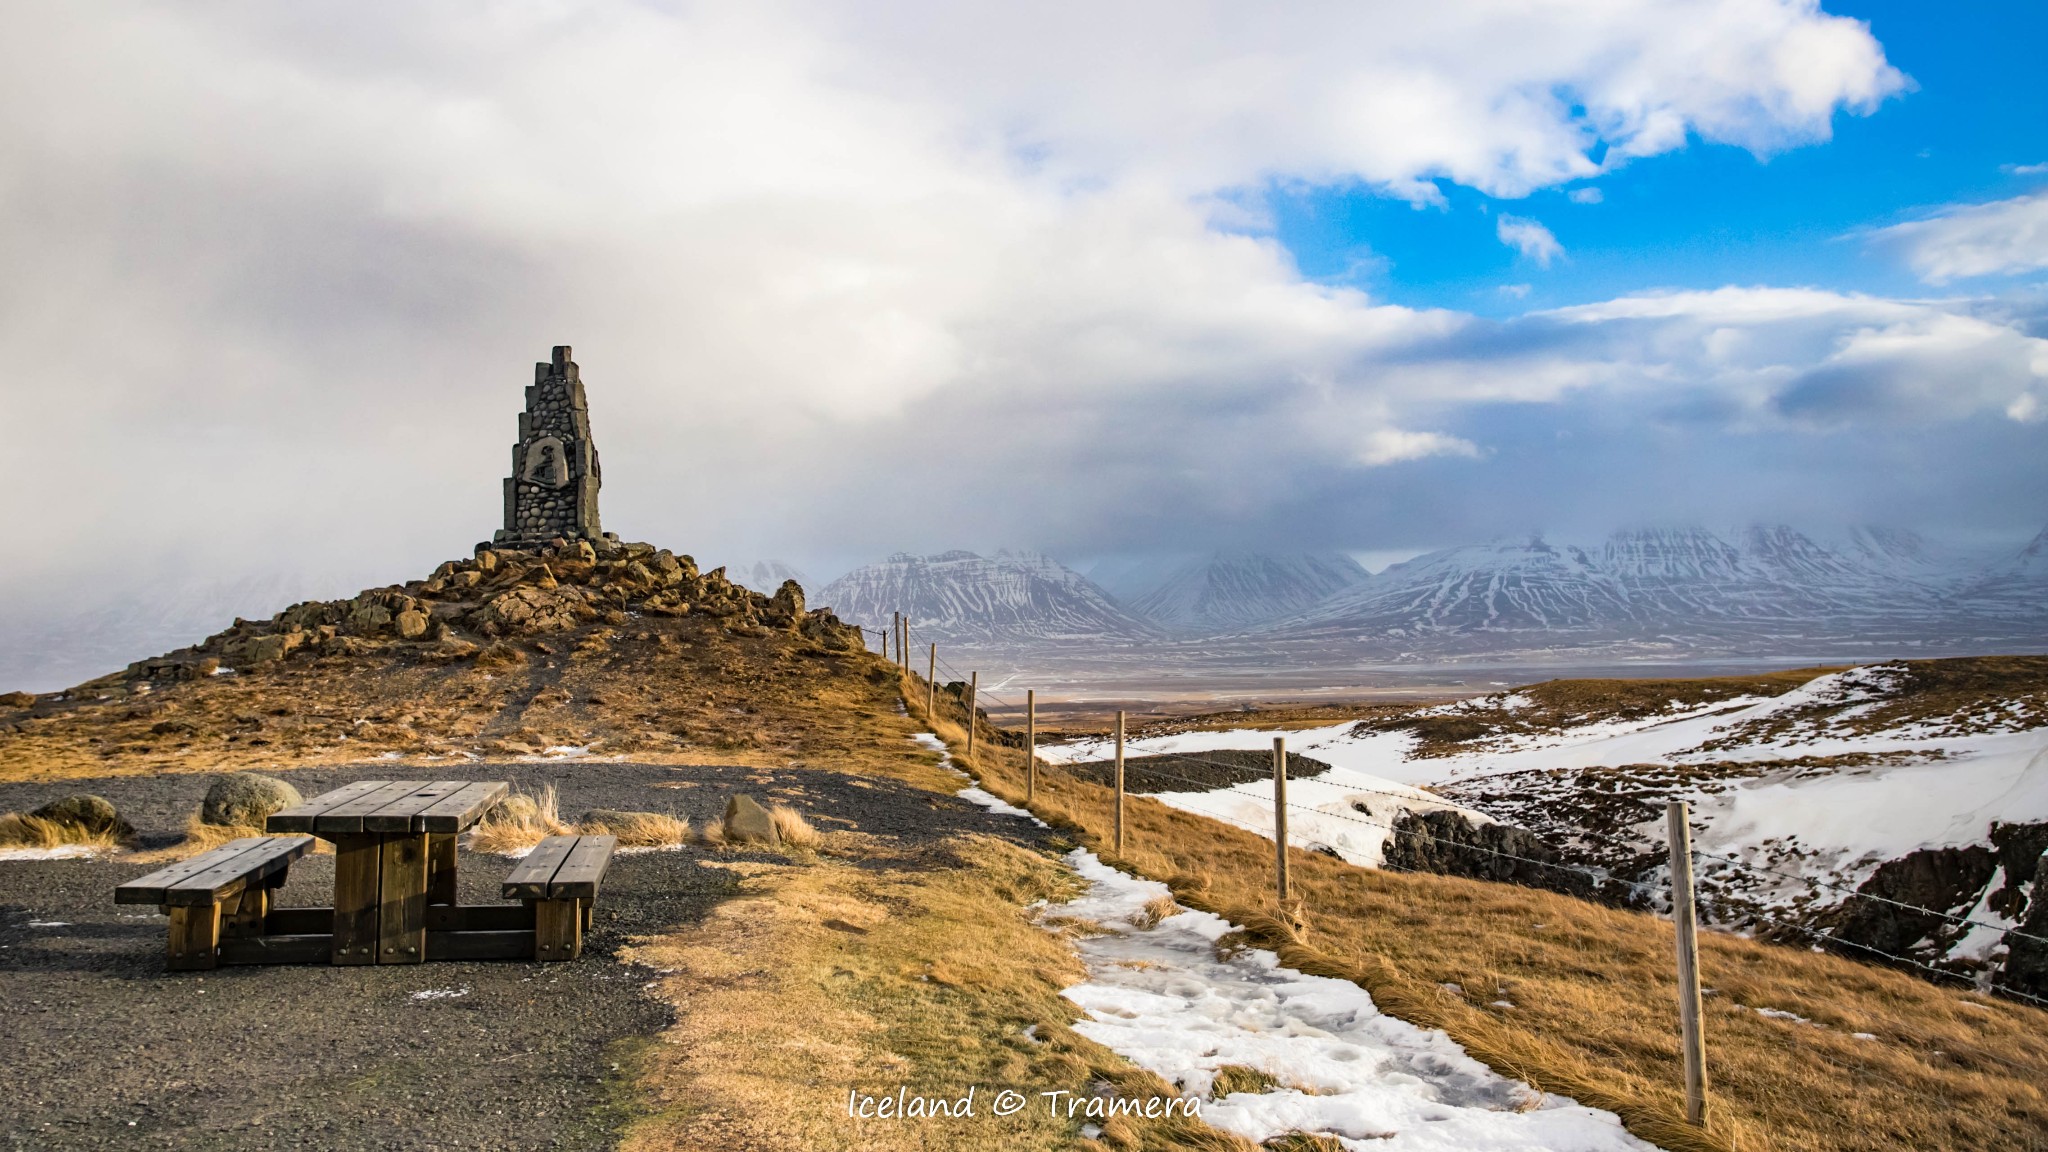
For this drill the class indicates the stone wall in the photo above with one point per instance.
(552, 491)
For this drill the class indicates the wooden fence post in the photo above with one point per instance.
(973, 690)
(1280, 813)
(931, 690)
(1119, 782)
(1030, 744)
(903, 644)
(1685, 917)
(885, 644)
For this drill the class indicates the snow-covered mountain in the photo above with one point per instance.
(960, 597)
(1763, 590)
(765, 576)
(1230, 590)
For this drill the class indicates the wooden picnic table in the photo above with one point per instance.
(394, 866)
(394, 886)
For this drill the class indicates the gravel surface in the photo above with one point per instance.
(106, 1049)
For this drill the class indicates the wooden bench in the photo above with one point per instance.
(559, 880)
(223, 892)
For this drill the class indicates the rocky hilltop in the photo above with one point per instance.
(510, 651)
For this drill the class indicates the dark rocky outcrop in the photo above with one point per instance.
(1446, 842)
(1941, 879)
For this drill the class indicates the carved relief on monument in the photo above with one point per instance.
(547, 462)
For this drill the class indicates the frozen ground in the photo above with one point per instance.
(1769, 798)
(1161, 995)
(1164, 998)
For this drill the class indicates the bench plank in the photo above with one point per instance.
(269, 856)
(529, 878)
(457, 812)
(402, 814)
(150, 889)
(347, 819)
(583, 869)
(300, 817)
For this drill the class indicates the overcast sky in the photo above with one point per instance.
(1084, 277)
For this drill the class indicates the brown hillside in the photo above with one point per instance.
(630, 652)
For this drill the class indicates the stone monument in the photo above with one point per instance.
(552, 492)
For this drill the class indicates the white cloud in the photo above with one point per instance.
(1514, 291)
(2024, 169)
(1529, 238)
(2004, 237)
(280, 270)
(1585, 196)
(1393, 445)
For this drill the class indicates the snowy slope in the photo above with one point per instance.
(961, 597)
(1800, 788)
(1230, 590)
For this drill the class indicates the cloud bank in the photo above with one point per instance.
(912, 275)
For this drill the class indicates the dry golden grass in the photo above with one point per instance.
(795, 831)
(519, 822)
(922, 971)
(203, 837)
(1594, 998)
(640, 829)
(18, 830)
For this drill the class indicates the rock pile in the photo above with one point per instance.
(504, 594)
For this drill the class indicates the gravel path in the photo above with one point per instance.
(106, 1049)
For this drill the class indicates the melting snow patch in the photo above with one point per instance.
(60, 852)
(49, 923)
(441, 994)
(1161, 998)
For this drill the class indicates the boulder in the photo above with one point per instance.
(18, 700)
(95, 814)
(788, 605)
(244, 799)
(518, 808)
(746, 822)
(412, 624)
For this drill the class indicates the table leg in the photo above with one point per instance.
(402, 930)
(441, 868)
(557, 930)
(195, 938)
(358, 863)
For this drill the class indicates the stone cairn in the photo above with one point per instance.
(552, 492)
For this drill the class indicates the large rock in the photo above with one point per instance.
(17, 700)
(746, 822)
(245, 799)
(412, 624)
(94, 814)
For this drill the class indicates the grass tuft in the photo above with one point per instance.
(641, 829)
(796, 832)
(21, 831)
(519, 822)
(1156, 909)
(1241, 1078)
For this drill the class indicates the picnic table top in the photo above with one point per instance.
(392, 807)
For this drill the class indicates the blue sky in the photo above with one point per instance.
(1716, 214)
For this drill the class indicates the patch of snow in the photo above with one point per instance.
(49, 924)
(441, 994)
(60, 852)
(1161, 998)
